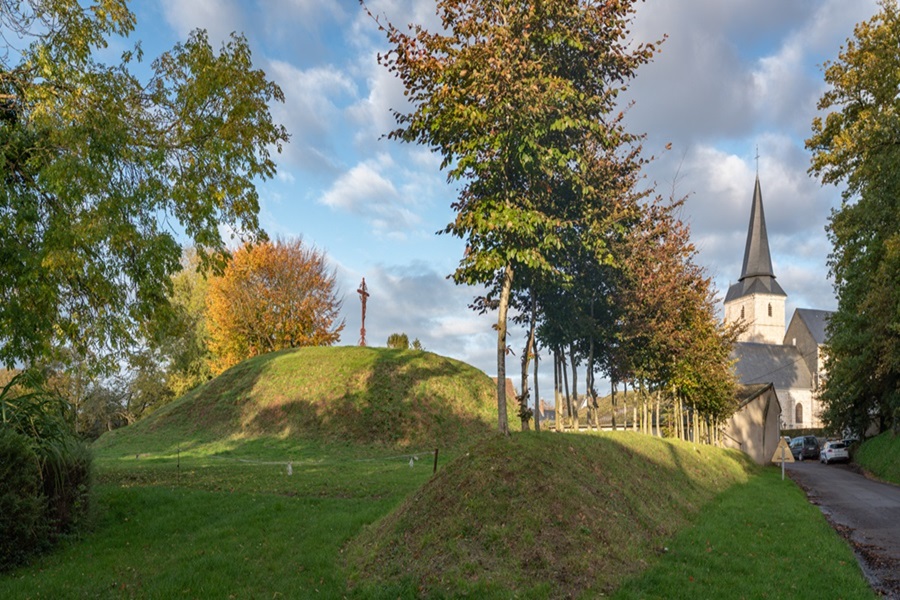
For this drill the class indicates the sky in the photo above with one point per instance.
(734, 80)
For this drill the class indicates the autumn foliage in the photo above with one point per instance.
(271, 296)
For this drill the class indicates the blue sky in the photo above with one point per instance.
(731, 77)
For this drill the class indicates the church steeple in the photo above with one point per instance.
(757, 299)
(757, 260)
(757, 275)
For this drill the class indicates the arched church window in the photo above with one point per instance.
(770, 310)
(798, 414)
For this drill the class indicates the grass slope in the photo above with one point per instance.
(549, 516)
(396, 398)
(880, 456)
(543, 516)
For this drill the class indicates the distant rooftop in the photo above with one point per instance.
(782, 366)
(816, 321)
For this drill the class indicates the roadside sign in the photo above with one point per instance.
(782, 452)
(782, 455)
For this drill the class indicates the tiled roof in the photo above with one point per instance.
(816, 321)
(782, 366)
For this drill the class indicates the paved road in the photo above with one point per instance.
(864, 511)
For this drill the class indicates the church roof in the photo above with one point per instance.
(754, 285)
(816, 321)
(745, 394)
(782, 366)
(757, 275)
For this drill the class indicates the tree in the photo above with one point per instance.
(99, 166)
(182, 337)
(519, 99)
(858, 143)
(272, 295)
(398, 341)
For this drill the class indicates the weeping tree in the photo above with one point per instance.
(520, 101)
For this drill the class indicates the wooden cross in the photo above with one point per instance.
(363, 294)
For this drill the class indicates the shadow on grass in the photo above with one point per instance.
(398, 398)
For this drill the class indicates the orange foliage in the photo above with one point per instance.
(271, 296)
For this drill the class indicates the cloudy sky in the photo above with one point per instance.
(732, 77)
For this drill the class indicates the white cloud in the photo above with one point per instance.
(365, 190)
(218, 17)
(314, 100)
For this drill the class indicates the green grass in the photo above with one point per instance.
(196, 500)
(370, 396)
(881, 456)
(222, 526)
(760, 539)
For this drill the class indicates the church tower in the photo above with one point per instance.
(756, 298)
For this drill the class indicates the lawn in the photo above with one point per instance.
(227, 521)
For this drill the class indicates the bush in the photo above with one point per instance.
(66, 475)
(44, 472)
(23, 527)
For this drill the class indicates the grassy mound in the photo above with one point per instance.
(880, 456)
(354, 395)
(556, 515)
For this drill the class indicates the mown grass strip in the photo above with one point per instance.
(761, 539)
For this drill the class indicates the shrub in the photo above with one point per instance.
(44, 471)
(23, 527)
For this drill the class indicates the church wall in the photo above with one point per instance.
(762, 327)
(811, 408)
(798, 335)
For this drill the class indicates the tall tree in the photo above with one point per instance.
(858, 144)
(519, 99)
(272, 295)
(98, 166)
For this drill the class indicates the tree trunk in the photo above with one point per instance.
(657, 431)
(526, 356)
(574, 389)
(537, 393)
(614, 402)
(565, 381)
(557, 421)
(502, 419)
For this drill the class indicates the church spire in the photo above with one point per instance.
(757, 260)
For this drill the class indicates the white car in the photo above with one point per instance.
(834, 451)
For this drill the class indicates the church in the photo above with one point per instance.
(766, 352)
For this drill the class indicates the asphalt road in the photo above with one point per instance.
(865, 512)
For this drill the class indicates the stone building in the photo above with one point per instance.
(767, 352)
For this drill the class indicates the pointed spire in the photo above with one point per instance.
(757, 260)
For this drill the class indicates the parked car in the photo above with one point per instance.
(806, 446)
(833, 452)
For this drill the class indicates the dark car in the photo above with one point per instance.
(806, 446)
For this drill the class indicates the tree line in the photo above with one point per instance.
(521, 100)
(857, 144)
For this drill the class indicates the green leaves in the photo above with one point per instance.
(103, 169)
(857, 144)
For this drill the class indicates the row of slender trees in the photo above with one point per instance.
(522, 102)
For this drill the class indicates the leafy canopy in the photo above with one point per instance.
(102, 169)
(272, 295)
(858, 143)
(519, 99)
